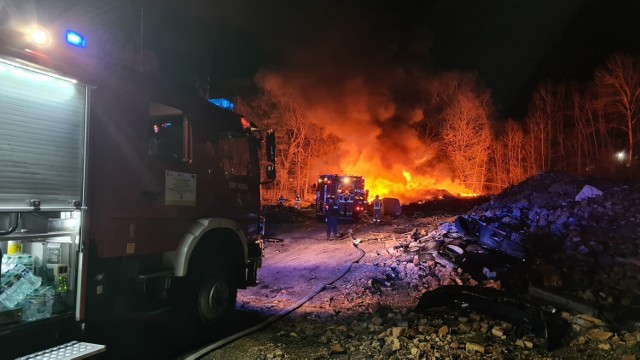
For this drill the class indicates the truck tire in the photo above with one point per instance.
(216, 296)
(204, 298)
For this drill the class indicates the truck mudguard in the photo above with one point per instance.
(179, 259)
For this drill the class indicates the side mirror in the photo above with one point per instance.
(271, 147)
(271, 172)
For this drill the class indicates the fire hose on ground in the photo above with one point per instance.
(223, 342)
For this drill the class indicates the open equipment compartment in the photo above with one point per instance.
(43, 122)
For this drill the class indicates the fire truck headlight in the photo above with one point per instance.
(40, 36)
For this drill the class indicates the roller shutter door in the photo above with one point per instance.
(42, 138)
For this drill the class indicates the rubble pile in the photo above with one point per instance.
(589, 244)
(581, 234)
(569, 244)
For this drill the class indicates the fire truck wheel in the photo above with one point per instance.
(203, 299)
(216, 297)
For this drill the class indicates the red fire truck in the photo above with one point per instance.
(117, 194)
(347, 190)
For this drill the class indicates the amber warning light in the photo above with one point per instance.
(245, 123)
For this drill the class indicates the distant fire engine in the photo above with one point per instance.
(347, 190)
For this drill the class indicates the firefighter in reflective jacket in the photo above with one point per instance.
(377, 209)
(331, 212)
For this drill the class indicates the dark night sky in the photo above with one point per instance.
(515, 44)
(512, 44)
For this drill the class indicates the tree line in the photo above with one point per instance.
(580, 128)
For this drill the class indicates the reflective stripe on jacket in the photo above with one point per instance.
(377, 204)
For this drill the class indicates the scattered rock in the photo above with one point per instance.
(443, 331)
(475, 347)
(601, 336)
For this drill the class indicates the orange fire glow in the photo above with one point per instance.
(377, 137)
(410, 188)
(394, 163)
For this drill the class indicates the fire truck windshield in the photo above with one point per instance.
(231, 154)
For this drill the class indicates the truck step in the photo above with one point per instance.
(70, 351)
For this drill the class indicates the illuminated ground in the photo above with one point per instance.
(367, 314)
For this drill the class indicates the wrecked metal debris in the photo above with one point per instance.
(527, 317)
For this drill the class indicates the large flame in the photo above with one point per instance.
(378, 139)
(396, 163)
(411, 188)
(393, 159)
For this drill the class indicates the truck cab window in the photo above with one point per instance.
(169, 134)
(232, 155)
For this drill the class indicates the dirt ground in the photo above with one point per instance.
(299, 262)
(361, 296)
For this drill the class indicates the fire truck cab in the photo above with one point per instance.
(347, 190)
(118, 195)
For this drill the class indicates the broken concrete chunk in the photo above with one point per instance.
(394, 343)
(591, 319)
(583, 323)
(475, 347)
(464, 328)
(444, 330)
(337, 348)
(580, 340)
(397, 331)
(497, 331)
(601, 336)
(490, 275)
(588, 191)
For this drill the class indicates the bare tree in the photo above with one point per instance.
(290, 141)
(499, 169)
(514, 143)
(313, 150)
(299, 142)
(619, 84)
(508, 157)
(561, 127)
(542, 113)
(585, 139)
(467, 138)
